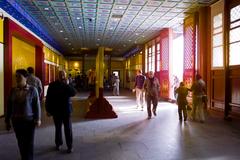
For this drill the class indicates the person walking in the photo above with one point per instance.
(138, 88)
(116, 86)
(152, 88)
(58, 104)
(182, 93)
(198, 89)
(34, 81)
(24, 111)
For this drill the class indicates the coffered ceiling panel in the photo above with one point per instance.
(71, 25)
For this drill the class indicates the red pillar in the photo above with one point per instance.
(189, 31)
(166, 45)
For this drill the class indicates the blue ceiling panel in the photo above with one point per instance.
(105, 6)
(73, 4)
(17, 11)
(42, 3)
(60, 9)
(82, 21)
(62, 13)
(89, 5)
(106, 1)
(90, 1)
(58, 4)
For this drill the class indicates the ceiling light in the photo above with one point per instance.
(98, 39)
(79, 27)
(66, 38)
(46, 9)
(116, 17)
(61, 31)
(78, 17)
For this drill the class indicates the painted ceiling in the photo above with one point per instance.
(73, 25)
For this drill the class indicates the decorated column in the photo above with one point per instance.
(99, 71)
(100, 108)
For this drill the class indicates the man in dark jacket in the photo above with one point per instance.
(58, 104)
(152, 87)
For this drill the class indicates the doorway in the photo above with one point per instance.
(116, 73)
(176, 65)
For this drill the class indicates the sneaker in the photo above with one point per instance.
(58, 147)
(149, 117)
(154, 112)
(69, 150)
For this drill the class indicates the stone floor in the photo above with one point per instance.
(132, 137)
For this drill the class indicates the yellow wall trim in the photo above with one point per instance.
(1, 30)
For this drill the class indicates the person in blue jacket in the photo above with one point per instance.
(24, 111)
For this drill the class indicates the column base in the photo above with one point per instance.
(101, 108)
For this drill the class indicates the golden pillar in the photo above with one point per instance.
(99, 70)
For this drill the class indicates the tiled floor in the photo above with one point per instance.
(132, 137)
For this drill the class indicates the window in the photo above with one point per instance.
(151, 58)
(234, 36)
(146, 60)
(217, 41)
(158, 57)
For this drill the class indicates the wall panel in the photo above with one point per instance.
(23, 56)
(1, 81)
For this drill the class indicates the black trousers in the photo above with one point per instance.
(182, 109)
(151, 100)
(66, 121)
(24, 131)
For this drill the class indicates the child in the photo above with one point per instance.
(182, 93)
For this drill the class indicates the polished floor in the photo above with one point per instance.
(133, 137)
